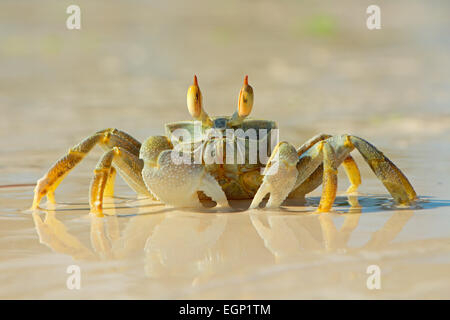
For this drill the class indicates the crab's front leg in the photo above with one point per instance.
(176, 184)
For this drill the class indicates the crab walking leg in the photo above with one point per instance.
(47, 184)
(350, 166)
(353, 174)
(310, 171)
(176, 183)
(109, 187)
(311, 142)
(393, 179)
(329, 186)
(280, 176)
(98, 183)
(314, 180)
(390, 175)
(130, 167)
(107, 139)
(310, 184)
(123, 138)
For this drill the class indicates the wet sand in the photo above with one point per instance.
(314, 68)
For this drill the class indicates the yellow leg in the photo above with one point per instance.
(324, 149)
(107, 139)
(315, 179)
(103, 180)
(311, 142)
(47, 184)
(109, 188)
(353, 174)
(309, 167)
(118, 138)
(393, 179)
(329, 186)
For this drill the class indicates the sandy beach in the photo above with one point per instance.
(314, 68)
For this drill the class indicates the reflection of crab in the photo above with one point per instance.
(185, 245)
(150, 170)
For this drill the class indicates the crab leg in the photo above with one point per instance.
(329, 154)
(310, 184)
(107, 139)
(130, 167)
(176, 184)
(109, 187)
(353, 174)
(311, 142)
(329, 185)
(319, 161)
(393, 179)
(315, 179)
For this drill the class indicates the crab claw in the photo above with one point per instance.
(176, 184)
(280, 176)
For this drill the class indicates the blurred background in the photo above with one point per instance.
(314, 67)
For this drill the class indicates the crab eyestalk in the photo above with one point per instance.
(195, 106)
(245, 104)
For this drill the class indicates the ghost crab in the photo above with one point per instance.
(150, 171)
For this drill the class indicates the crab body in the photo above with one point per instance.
(238, 179)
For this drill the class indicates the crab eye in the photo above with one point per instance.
(245, 103)
(194, 99)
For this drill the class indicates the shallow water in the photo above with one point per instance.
(129, 67)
